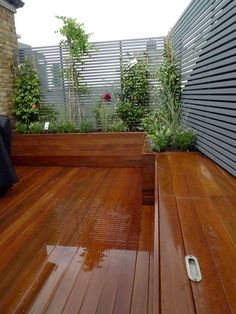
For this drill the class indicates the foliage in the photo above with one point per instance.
(77, 40)
(134, 95)
(135, 82)
(165, 126)
(26, 96)
(22, 128)
(161, 139)
(62, 127)
(36, 127)
(184, 138)
(153, 120)
(170, 84)
(75, 37)
(104, 113)
(86, 126)
(131, 115)
(117, 126)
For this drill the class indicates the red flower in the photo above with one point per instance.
(107, 97)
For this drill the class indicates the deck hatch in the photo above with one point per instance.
(193, 268)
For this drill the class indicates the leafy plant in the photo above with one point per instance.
(135, 82)
(22, 128)
(134, 95)
(184, 138)
(77, 40)
(104, 112)
(117, 126)
(36, 127)
(170, 85)
(131, 115)
(86, 126)
(161, 139)
(26, 95)
(62, 127)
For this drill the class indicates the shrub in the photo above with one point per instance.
(134, 96)
(135, 82)
(184, 138)
(131, 115)
(161, 139)
(26, 95)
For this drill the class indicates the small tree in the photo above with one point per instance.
(76, 39)
(26, 94)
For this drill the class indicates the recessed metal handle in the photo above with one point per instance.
(193, 268)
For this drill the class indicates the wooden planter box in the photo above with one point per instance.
(88, 150)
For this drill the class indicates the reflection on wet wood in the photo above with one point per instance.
(196, 215)
(79, 240)
(74, 240)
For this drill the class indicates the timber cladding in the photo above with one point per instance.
(91, 149)
(204, 41)
(8, 44)
(113, 150)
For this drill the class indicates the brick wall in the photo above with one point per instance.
(8, 44)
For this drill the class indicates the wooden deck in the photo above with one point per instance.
(75, 240)
(195, 215)
(79, 240)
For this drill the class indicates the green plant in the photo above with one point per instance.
(22, 128)
(77, 40)
(161, 139)
(86, 126)
(152, 121)
(36, 127)
(103, 114)
(170, 85)
(131, 115)
(134, 96)
(117, 126)
(184, 138)
(62, 127)
(135, 82)
(26, 94)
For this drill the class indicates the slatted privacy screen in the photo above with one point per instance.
(204, 40)
(100, 70)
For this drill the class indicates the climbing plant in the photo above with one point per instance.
(26, 94)
(134, 96)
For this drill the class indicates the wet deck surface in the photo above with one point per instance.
(195, 215)
(76, 240)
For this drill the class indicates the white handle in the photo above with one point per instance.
(193, 268)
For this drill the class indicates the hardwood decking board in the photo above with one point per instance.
(67, 222)
(197, 198)
(78, 240)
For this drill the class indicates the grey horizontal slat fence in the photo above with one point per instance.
(100, 70)
(204, 41)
